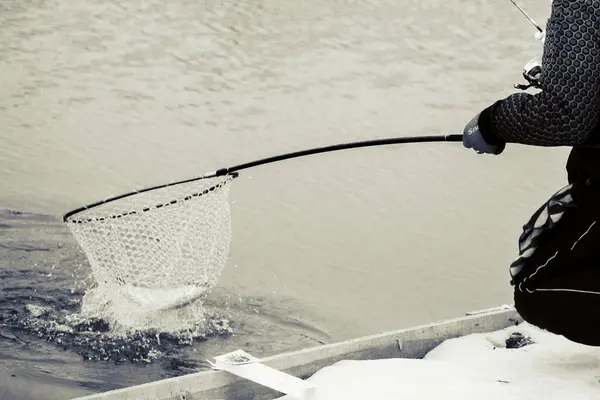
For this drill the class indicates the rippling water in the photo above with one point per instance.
(99, 98)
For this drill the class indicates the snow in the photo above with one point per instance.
(473, 367)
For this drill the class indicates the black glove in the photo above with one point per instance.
(474, 139)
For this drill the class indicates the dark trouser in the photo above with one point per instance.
(557, 276)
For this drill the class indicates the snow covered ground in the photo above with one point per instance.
(536, 365)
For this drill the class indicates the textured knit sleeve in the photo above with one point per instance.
(567, 109)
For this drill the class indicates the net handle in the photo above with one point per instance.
(336, 147)
(233, 171)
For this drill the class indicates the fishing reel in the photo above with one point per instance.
(531, 72)
(533, 69)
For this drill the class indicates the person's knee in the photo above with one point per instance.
(539, 309)
(561, 313)
(525, 305)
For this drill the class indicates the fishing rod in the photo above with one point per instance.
(528, 17)
(532, 70)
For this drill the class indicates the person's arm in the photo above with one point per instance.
(566, 111)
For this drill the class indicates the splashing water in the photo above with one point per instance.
(93, 338)
(52, 302)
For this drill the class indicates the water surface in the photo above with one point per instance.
(100, 98)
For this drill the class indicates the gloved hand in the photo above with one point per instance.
(473, 139)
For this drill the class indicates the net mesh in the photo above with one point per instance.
(159, 249)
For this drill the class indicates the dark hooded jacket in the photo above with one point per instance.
(566, 112)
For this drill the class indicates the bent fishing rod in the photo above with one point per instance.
(233, 171)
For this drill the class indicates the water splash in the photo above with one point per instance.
(47, 294)
(95, 339)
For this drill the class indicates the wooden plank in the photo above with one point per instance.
(405, 343)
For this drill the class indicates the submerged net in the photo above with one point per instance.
(157, 249)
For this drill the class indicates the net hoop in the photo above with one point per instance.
(157, 248)
(68, 217)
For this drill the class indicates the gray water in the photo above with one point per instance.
(100, 98)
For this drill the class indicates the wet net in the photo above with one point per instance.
(157, 249)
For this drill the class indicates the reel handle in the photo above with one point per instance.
(531, 72)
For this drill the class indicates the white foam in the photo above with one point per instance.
(474, 367)
(164, 309)
(154, 299)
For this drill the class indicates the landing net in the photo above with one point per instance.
(163, 248)
(160, 248)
